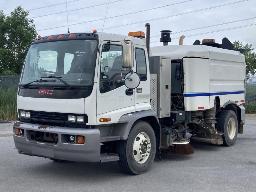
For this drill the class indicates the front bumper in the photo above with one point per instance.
(88, 152)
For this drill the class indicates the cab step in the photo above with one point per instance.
(214, 141)
(183, 142)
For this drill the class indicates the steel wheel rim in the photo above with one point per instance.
(141, 148)
(231, 128)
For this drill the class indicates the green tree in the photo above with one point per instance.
(16, 34)
(250, 56)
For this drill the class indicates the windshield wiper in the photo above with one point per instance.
(43, 79)
(35, 81)
(56, 77)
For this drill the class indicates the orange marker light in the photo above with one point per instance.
(104, 120)
(61, 36)
(51, 37)
(94, 30)
(138, 34)
(72, 36)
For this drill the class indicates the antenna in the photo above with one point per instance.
(67, 16)
(106, 13)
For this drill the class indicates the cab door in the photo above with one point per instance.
(142, 92)
(113, 100)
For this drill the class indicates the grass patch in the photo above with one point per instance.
(250, 107)
(250, 99)
(7, 103)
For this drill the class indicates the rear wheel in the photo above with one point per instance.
(138, 152)
(228, 124)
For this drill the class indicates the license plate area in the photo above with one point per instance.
(42, 137)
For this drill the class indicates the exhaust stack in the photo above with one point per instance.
(165, 37)
(181, 40)
(148, 37)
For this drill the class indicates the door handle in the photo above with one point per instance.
(129, 92)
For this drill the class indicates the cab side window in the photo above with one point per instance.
(111, 71)
(141, 65)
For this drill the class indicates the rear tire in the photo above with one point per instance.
(228, 124)
(137, 153)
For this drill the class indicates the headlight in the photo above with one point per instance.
(80, 119)
(27, 114)
(72, 118)
(22, 114)
(76, 119)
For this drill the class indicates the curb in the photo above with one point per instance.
(5, 122)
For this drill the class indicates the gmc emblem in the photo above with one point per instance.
(45, 92)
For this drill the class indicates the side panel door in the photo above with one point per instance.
(142, 92)
(112, 100)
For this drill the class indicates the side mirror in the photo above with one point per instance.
(128, 56)
(132, 80)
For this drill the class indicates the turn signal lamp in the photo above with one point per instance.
(138, 34)
(19, 132)
(76, 139)
(80, 139)
(104, 120)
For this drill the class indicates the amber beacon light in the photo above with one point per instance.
(138, 34)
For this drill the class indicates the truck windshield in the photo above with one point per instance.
(72, 61)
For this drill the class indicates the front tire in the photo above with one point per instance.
(137, 153)
(228, 124)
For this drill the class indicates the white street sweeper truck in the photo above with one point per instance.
(97, 97)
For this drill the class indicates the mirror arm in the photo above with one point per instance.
(130, 73)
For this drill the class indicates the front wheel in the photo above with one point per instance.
(228, 124)
(137, 153)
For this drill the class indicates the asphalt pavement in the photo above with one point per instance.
(210, 169)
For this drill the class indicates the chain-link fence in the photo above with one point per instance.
(9, 81)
